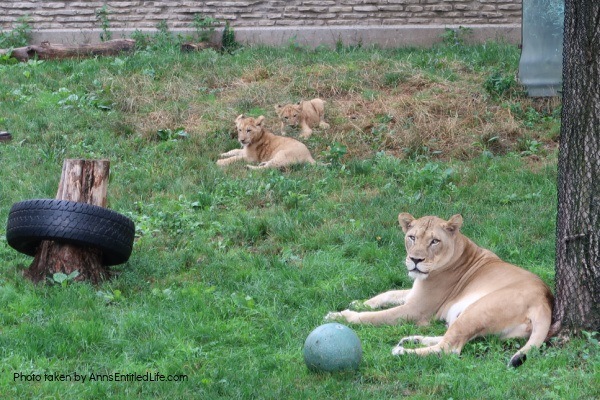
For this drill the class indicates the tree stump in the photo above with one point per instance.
(84, 181)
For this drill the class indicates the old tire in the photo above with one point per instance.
(32, 221)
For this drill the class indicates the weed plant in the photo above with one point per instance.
(102, 15)
(19, 36)
(233, 268)
(204, 26)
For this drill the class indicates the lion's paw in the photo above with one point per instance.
(346, 315)
(334, 316)
(411, 340)
(359, 305)
(398, 351)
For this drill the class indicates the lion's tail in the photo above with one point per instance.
(541, 319)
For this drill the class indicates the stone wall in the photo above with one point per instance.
(371, 21)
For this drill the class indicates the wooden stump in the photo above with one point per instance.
(84, 181)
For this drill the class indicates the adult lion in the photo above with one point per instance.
(261, 146)
(469, 287)
(307, 114)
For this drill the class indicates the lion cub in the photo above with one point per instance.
(307, 114)
(262, 146)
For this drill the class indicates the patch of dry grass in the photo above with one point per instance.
(373, 104)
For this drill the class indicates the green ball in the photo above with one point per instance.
(332, 347)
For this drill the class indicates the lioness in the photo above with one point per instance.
(262, 146)
(469, 287)
(307, 114)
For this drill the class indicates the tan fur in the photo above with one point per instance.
(263, 147)
(469, 287)
(306, 114)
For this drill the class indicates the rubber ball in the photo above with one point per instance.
(332, 347)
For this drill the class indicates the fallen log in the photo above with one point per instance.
(189, 46)
(52, 51)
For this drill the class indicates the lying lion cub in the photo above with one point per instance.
(469, 287)
(307, 114)
(260, 145)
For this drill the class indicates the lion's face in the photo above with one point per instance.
(289, 114)
(430, 243)
(249, 129)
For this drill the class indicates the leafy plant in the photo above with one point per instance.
(228, 41)
(335, 153)
(161, 40)
(529, 147)
(93, 99)
(592, 337)
(204, 26)
(419, 151)
(62, 278)
(102, 16)
(109, 296)
(294, 199)
(8, 59)
(30, 67)
(431, 177)
(172, 134)
(487, 143)
(19, 36)
(163, 37)
(456, 37)
(500, 84)
(143, 41)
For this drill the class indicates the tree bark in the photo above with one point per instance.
(577, 300)
(49, 51)
(84, 181)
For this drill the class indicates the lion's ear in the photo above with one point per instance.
(454, 223)
(405, 219)
(239, 118)
(260, 120)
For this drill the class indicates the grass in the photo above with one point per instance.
(233, 268)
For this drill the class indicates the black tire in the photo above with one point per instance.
(31, 221)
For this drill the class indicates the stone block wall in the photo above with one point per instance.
(253, 16)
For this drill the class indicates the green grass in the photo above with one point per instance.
(232, 269)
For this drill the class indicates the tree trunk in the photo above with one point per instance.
(48, 51)
(84, 181)
(577, 302)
